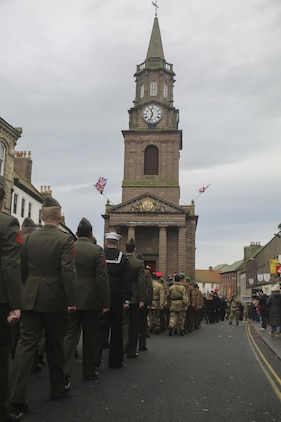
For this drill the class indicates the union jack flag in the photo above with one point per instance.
(202, 190)
(100, 185)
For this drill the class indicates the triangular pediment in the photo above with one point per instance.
(147, 203)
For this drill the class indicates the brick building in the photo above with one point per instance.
(150, 211)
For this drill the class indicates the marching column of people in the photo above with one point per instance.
(65, 287)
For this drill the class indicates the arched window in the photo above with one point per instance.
(165, 90)
(153, 88)
(142, 90)
(2, 158)
(151, 158)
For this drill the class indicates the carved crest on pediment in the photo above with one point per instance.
(146, 203)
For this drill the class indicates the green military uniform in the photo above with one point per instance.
(10, 298)
(92, 296)
(138, 290)
(49, 277)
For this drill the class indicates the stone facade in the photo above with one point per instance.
(8, 140)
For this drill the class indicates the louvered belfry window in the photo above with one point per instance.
(151, 158)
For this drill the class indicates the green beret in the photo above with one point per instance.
(85, 223)
(28, 222)
(187, 278)
(49, 201)
(182, 275)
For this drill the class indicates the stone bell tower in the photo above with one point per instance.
(150, 212)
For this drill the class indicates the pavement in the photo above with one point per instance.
(274, 343)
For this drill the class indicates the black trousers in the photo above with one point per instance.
(115, 358)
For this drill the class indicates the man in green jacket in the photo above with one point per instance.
(10, 294)
(49, 293)
(93, 299)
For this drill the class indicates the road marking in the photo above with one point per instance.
(274, 379)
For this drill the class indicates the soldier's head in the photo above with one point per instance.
(130, 246)
(178, 278)
(84, 229)
(28, 225)
(51, 210)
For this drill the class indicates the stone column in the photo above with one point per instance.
(131, 233)
(163, 250)
(181, 251)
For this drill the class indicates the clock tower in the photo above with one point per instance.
(153, 141)
(150, 213)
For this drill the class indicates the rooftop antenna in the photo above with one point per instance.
(154, 3)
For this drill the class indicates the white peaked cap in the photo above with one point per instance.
(112, 235)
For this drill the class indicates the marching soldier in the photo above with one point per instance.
(10, 294)
(178, 304)
(158, 302)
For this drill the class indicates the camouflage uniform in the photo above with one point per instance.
(158, 301)
(165, 312)
(178, 303)
(234, 309)
(198, 305)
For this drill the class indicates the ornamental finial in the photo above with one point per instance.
(154, 3)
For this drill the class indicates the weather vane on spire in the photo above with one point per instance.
(154, 3)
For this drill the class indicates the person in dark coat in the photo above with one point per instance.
(209, 309)
(119, 274)
(93, 299)
(274, 311)
(262, 298)
(49, 292)
(10, 294)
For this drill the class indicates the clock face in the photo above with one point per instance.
(152, 114)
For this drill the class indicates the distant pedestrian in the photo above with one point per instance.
(262, 298)
(274, 311)
(234, 306)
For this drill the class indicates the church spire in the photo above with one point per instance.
(155, 52)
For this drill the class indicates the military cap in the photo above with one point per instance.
(2, 181)
(112, 235)
(28, 222)
(181, 275)
(49, 201)
(187, 278)
(85, 222)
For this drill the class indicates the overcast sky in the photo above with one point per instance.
(67, 79)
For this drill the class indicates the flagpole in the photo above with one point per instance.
(200, 193)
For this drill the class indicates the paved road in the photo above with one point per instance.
(210, 375)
